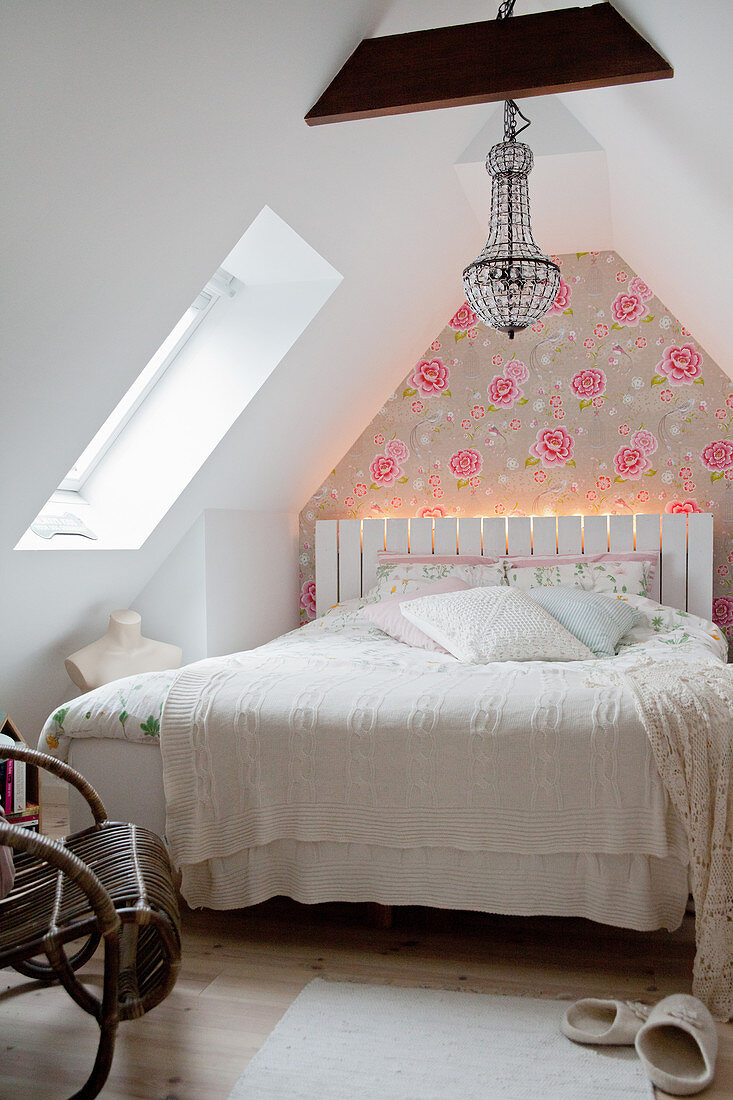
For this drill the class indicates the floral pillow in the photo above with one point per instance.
(626, 577)
(403, 578)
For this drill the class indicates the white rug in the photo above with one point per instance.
(339, 1041)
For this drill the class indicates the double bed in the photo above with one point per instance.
(336, 763)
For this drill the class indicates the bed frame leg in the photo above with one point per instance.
(379, 916)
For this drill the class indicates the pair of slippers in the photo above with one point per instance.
(676, 1040)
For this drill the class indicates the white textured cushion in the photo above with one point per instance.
(494, 624)
(405, 578)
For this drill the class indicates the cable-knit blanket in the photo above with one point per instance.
(687, 711)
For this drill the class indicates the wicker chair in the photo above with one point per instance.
(111, 882)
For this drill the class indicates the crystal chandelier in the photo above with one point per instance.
(511, 284)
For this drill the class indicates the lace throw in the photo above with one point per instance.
(687, 711)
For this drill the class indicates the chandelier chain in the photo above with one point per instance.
(506, 9)
(510, 121)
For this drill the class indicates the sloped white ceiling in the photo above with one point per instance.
(143, 138)
(670, 162)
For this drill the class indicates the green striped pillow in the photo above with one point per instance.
(596, 619)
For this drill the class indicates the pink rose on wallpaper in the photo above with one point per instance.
(627, 309)
(430, 376)
(554, 446)
(679, 506)
(588, 383)
(638, 287)
(466, 463)
(718, 455)
(308, 598)
(384, 470)
(681, 365)
(432, 513)
(504, 391)
(631, 462)
(397, 450)
(464, 319)
(562, 298)
(645, 440)
(516, 369)
(723, 610)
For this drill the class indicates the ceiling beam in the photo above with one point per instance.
(526, 55)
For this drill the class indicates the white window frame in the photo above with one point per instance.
(222, 284)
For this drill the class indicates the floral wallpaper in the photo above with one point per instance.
(607, 404)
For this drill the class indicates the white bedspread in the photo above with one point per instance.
(335, 763)
(337, 734)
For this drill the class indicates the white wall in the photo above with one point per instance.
(173, 602)
(230, 584)
(251, 578)
(139, 142)
(142, 139)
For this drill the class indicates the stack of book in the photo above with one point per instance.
(13, 791)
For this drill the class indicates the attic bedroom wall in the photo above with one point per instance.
(606, 405)
(140, 140)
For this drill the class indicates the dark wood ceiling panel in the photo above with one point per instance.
(526, 55)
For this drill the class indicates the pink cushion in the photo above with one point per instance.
(388, 617)
(385, 557)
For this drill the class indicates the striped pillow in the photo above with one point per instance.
(596, 619)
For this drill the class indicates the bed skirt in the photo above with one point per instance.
(626, 891)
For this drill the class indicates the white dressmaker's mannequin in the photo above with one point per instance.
(123, 651)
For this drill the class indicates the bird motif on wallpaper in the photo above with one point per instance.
(493, 433)
(534, 355)
(548, 499)
(422, 434)
(682, 411)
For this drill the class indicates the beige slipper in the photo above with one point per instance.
(608, 1023)
(678, 1044)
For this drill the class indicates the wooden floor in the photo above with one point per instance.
(241, 970)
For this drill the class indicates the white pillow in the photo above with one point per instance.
(494, 624)
(402, 578)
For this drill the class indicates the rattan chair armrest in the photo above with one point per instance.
(54, 853)
(63, 771)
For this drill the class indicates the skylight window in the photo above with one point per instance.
(189, 395)
(150, 375)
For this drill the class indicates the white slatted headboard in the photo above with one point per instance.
(346, 549)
